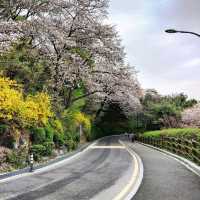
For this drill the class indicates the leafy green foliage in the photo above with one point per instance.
(49, 146)
(3, 128)
(85, 55)
(38, 151)
(179, 132)
(24, 64)
(74, 116)
(38, 135)
(180, 101)
(18, 158)
(72, 140)
(112, 122)
(57, 126)
(49, 133)
(161, 111)
(59, 139)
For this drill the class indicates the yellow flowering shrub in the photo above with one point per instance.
(10, 98)
(83, 119)
(36, 109)
(57, 124)
(25, 111)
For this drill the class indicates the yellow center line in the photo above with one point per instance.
(133, 178)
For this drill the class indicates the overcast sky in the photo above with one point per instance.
(169, 63)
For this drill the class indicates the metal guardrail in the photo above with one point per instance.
(188, 148)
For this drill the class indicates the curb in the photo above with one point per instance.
(139, 177)
(49, 163)
(188, 164)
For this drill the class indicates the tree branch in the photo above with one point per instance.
(86, 95)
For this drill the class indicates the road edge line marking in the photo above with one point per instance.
(53, 165)
(46, 168)
(176, 158)
(132, 187)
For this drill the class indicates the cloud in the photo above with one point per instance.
(168, 62)
(192, 63)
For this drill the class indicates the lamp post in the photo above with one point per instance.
(176, 31)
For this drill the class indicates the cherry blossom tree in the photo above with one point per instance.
(81, 48)
(191, 116)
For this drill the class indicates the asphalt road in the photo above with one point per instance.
(165, 178)
(98, 173)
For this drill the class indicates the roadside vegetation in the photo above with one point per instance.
(61, 69)
(188, 133)
(171, 123)
(64, 82)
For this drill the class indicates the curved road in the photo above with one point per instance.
(103, 172)
(165, 178)
(99, 173)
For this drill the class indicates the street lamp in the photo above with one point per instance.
(176, 31)
(170, 31)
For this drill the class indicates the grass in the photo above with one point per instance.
(175, 132)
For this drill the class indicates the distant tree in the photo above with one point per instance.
(191, 116)
(150, 95)
(161, 111)
(181, 100)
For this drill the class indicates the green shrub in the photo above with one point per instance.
(38, 151)
(59, 139)
(18, 158)
(57, 125)
(49, 146)
(6, 139)
(179, 132)
(72, 140)
(3, 128)
(49, 133)
(38, 135)
(71, 145)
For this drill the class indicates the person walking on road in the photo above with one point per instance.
(132, 137)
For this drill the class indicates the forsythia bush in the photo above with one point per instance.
(57, 124)
(10, 98)
(81, 118)
(28, 111)
(36, 109)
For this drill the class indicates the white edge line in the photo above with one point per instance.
(188, 164)
(54, 165)
(46, 168)
(132, 187)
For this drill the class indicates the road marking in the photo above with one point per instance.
(48, 167)
(107, 147)
(51, 166)
(135, 180)
(181, 160)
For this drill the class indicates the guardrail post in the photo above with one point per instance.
(31, 162)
